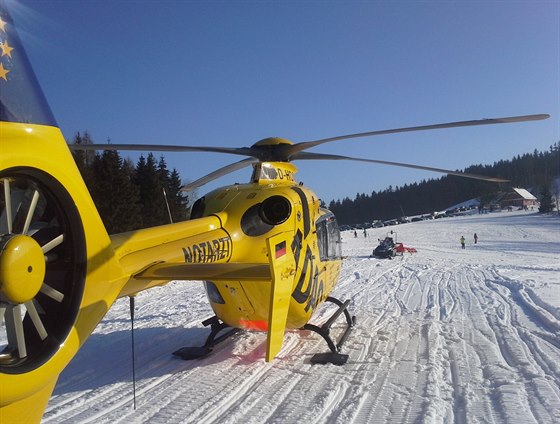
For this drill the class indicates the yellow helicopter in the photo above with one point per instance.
(267, 252)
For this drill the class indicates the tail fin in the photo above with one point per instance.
(283, 270)
(76, 277)
(21, 97)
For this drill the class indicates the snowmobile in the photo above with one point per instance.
(386, 248)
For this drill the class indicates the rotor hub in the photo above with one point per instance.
(22, 268)
(273, 141)
(272, 149)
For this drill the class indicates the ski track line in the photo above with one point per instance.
(233, 389)
(519, 361)
(70, 409)
(348, 394)
(433, 386)
(358, 400)
(465, 372)
(307, 399)
(223, 378)
(256, 407)
(474, 346)
(500, 378)
(111, 400)
(404, 366)
(395, 357)
(539, 372)
(114, 399)
(276, 380)
(225, 395)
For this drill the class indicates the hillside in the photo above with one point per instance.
(532, 171)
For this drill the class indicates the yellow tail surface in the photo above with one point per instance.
(282, 267)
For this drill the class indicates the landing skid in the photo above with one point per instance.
(334, 356)
(196, 352)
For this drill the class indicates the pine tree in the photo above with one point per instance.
(179, 200)
(547, 204)
(132, 217)
(152, 201)
(84, 158)
(114, 194)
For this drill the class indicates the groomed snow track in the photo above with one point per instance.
(442, 336)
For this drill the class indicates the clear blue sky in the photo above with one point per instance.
(228, 73)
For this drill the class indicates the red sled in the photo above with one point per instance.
(400, 248)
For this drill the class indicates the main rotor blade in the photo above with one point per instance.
(243, 151)
(298, 147)
(219, 173)
(319, 156)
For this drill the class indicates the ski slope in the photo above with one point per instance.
(443, 335)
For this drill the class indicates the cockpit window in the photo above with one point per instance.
(268, 173)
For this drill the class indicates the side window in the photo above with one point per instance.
(335, 249)
(328, 238)
(322, 240)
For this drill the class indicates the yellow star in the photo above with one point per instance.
(3, 72)
(6, 49)
(2, 25)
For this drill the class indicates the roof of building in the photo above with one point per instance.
(524, 194)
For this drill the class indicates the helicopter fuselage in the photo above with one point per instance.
(250, 214)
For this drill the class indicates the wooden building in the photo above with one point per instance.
(518, 198)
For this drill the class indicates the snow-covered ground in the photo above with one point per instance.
(443, 335)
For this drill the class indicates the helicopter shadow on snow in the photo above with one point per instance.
(106, 359)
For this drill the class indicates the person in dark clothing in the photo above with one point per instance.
(475, 238)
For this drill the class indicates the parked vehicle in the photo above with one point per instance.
(386, 248)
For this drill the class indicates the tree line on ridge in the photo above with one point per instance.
(538, 172)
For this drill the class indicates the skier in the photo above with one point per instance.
(462, 242)
(475, 238)
(365, 233)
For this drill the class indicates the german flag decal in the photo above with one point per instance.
(280, 249)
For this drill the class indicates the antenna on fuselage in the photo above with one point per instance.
(133, 358)
(167, 204)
